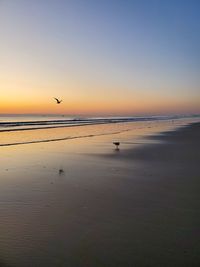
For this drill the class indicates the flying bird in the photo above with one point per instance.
(57, 100)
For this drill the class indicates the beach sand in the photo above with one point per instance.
(138, 206)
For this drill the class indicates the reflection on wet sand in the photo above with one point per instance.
(66, 204)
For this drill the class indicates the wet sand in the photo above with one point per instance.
(134, 207)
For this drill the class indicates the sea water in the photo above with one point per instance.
(26, 129)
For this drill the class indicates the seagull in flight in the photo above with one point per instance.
(58, 101)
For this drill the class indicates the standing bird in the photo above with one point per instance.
(58, 101)
(117, 145)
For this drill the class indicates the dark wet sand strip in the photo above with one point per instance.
(163, 211)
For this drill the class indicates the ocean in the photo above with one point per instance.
(26, 129)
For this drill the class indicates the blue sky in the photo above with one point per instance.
(87, 49)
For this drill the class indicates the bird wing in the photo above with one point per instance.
(56, 99)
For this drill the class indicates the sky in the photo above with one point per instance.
(102, 57)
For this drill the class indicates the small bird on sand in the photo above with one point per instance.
(116, 144)
(57, 100)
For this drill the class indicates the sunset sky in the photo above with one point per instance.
(102, 57)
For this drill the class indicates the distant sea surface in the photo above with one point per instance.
(30, 122)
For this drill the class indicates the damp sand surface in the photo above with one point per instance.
(80, 202)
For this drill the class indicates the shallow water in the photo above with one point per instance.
(26, 130)
(29, 122)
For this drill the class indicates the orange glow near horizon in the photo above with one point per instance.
(126, 107)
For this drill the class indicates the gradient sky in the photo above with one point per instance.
(100, 56)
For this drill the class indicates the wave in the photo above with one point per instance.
(8, 126)
(13, 125)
